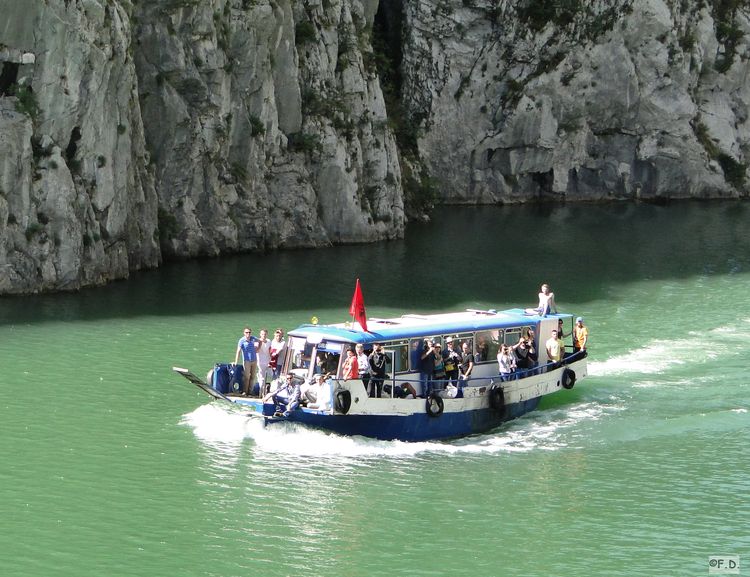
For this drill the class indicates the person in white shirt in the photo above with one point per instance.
(363, 367)
(321, 391)
(263, 349)
(278, 348)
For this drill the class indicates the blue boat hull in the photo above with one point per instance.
(414, 427)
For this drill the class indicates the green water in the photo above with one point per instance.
(113, 465)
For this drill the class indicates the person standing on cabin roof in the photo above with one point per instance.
(546, 303)
(580, 335)
(247, 348)
(350, 369)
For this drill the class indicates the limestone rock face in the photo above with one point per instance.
(266, 128)
(129, 130)
(77, 203)
(132, 130)
(590, 100)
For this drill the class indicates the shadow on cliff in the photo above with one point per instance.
(485, 256)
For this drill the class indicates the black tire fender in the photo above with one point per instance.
(497, 398)
(343, 401)
(434, 405)
(568, 378)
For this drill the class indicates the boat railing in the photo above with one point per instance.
(489, 379)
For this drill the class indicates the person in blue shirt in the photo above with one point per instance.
(247, 347)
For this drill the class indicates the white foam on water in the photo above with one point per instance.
(224, 429)
(219, 424)
(658, 356)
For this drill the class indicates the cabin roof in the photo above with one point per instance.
(416, 325)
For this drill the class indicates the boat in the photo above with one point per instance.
(444, 408)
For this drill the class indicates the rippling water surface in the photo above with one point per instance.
(112, 465)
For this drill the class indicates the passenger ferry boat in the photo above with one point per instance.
(442, 410)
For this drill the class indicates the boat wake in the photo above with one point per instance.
(225, 428)
(659, 356)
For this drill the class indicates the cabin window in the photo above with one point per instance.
(399, 352)
(487, 344)
(460, 339)
(416, 348)
(512, 336)
(327, 357)
(299, 359)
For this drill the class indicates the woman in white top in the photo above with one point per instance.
(506, 362)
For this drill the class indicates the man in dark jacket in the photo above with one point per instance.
(377, 361)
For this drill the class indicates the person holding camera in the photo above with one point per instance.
(522, 350)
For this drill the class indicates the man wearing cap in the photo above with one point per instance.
(452, 359)
(377, 363)
(580, 335)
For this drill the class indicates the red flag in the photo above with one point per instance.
(357, 309)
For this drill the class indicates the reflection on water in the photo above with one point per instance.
(487, 254)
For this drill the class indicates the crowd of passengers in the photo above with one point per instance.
(447, 369)
(439, 369)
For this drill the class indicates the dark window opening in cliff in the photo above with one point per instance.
(544, 181)
(74, 165)
(387, 40)
(72, 148)
(8, 78)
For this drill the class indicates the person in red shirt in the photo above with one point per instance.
(350, 370)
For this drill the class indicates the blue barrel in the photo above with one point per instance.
(222, 378)
(235, 378)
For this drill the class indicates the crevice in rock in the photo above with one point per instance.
(74, 165)
(8, 77)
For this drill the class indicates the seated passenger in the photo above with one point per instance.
(286, 397)
(324, 396)
(317, 395)
(546, 303)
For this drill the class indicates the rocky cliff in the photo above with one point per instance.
(580, 100)
(132, 131)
